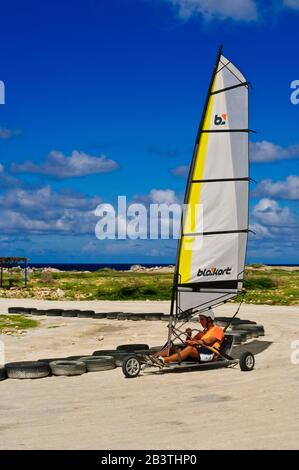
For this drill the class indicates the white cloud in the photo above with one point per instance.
(163, 196)
(276, 233)
(291, 4)
(60, 166)
(238, 10)
(44, 210)
(7, 181)
(287, 189)
(182, 170)
(260, 231)
(265, 151)
(267, 212)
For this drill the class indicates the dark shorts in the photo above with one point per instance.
(205, 354)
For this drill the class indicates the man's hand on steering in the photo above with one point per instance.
(191, 342)
(188, 333)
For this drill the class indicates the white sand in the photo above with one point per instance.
(220, 409)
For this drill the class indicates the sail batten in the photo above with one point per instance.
(212, 249)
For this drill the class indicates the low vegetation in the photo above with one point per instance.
(15, 323)
(264, 285)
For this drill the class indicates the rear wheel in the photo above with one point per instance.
(246, 361)
(131, 367)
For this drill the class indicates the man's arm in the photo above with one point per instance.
(198, 336)
(203, 342)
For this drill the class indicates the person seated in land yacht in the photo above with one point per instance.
(203, 347)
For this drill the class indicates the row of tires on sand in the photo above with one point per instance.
(73, 365)
(55, 312)
(241, 330)
(237, 326)
(107, 359)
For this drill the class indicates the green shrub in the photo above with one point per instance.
(253, 283)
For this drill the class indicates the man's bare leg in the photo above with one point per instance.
(189, 351)
(164, 353)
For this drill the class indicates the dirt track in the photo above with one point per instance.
(222, 409)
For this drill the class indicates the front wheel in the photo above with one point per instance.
(246, 361)
(131, 367)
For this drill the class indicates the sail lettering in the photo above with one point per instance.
(214, 272)
(220, 120)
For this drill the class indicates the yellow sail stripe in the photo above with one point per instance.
(186, 253)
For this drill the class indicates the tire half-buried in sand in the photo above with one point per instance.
(27, 370)
(96, 364)
(68, 368)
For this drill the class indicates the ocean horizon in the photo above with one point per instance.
(116, 266)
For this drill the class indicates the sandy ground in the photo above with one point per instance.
(220, 409)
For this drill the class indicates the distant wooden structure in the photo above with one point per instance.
(8, 261)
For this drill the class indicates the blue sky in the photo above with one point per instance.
(103, 98)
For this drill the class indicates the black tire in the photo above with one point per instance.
(246, 361)
(259, 328)
(247, 322)
(249, 333)
(224, 324)
(119, 355)
(134, 317)
(137, 316)
(104, 352)
(39, 312)
(50, 359)
(122, 316)
(112, 315)
(53, 312)
(223, 321)
(131, 367)
(18, 310)
(237, 338)
(26, 310)
(131, 347)
(2, 373)
(226, 319)
(86, 314)
(254, 329)
(100, 315)
(244, 335)
(96, 364)
(153, 316)
(15, 309)
(27, 370)
(33, 311)
(72, 358)
(68, 368)
(69, 313)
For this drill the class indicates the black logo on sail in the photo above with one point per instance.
(220, 120)
(214, 272)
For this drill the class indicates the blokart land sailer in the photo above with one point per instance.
(214, 231)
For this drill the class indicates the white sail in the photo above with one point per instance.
(211, 272)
